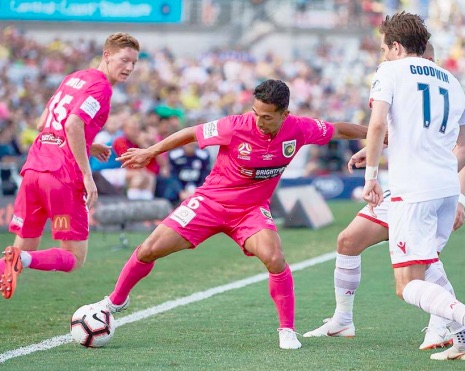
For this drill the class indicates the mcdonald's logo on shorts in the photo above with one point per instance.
(61, 223)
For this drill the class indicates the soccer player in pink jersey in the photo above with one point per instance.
(423, 106)
(57, 180)
(255, 148)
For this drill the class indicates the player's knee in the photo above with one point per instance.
(345, 243)
(147, 253)
(275, 262)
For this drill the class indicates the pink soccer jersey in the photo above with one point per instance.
(85, 93)
(249, 163)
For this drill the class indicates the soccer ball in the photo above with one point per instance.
(92, 326)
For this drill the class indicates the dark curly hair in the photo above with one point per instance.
(407, 29)
(273, 92)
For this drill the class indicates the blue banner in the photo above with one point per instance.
(136, 11)
(332, 186)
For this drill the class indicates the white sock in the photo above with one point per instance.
(435, 299)
(347, 276)
(26, 259)
(436, 274)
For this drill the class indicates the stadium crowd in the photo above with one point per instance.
(167, 92)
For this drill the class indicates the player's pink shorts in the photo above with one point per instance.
(42, 196)
(199, 218)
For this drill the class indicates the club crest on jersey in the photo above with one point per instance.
(289, 148)
(245, 149)
(266, 213)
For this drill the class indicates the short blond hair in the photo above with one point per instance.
(120, 40)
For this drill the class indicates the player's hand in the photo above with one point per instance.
(135, 158)
(372, 194)
(91, 191)
(358, 160)
(459, 217)
(101, 152)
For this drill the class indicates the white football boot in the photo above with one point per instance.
(288, 339)
(332, 328)
(113, 308)
(436, 337)
(455, 352)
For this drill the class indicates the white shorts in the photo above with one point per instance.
(381, 211)
(418, 231)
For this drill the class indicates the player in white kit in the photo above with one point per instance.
(423, 107)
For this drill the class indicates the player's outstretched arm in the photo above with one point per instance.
(347, 130)
(138, 158)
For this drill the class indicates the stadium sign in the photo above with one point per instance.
(136, 11)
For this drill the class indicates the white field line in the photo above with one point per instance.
(164, 307)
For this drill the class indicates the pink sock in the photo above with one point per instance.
(281, 287)
(53, 259)
(133, 271)
(2, 266)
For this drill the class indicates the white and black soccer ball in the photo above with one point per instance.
(92, 326)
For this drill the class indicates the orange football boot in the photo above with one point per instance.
(13, 267)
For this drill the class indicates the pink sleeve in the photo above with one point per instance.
(318, 132)
(91, 102)
(218, 132)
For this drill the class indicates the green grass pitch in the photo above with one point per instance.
(235, 330)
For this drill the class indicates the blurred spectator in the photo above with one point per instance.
(109, 177)
(28, 133)
(140, 183)
(330, 80)
(171, 105)
(10, 151)
(10, 157)
(190, 166)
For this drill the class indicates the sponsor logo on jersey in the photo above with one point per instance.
(183, 215)
(61, 223)
(50, 138)
(376, 86)
(263, 173)
(245, 149)
(210, 129)
(267, 156)
(402, 245)
(75, 83)
(322, 127)
(90, 106)
(266, 213)
(289, 147)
